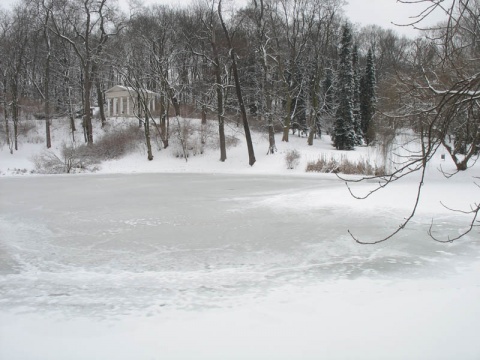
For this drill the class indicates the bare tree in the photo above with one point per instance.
(198, 43)
(46, 36)
(292, 22)
(89, 25)
(41, 10)
(16, 42)
(238, 87)
(263, 44)
(443, 87)
(4, 72)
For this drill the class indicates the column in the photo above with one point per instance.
(108, 107)
(121, 106)
(128, 105)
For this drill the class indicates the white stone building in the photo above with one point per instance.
(121, 101)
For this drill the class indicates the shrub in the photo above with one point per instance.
(344, 166)
(230, 141)
(191, 138)
(72, 158)
(113, 145)
(292, 159)
(324, 165)
(24, 127)
(184, 143)
(48, 162)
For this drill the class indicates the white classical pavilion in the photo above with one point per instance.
(121, 101)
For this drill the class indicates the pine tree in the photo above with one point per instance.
(368, 98)
(344, 133)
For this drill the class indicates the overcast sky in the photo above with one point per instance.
(380, 12)
(386, 13)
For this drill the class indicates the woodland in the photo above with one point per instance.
(284, 65)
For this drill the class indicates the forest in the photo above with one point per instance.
(281, 66)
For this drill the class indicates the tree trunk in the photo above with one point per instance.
(72, 127)
(146, 125)
(15, 133)
(312, 126)
(461, 164)
(238, 89)
(221, 124)
(272, 147)
(315, 108)
(84, 126)
(219, 91)
(265, 84)
(267, 110)
(7, 130)
(100, 100)
(47, 83)
(7, 134)
(246, 127)
(311, 134)
(87, 87)
(15, 115)
(288, 117)
(203, 127)
(71, 115)
(47, 102)
(163, 121)
(167, 120)
(204, 115)
(47, 127)
(5, 116)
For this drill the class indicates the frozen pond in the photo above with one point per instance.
(106, 246)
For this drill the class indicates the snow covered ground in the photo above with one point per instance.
(204, 260)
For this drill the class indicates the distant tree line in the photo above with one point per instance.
(286, 66)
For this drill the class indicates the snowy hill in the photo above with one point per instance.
(169, 160)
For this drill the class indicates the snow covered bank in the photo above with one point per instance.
(362, 319)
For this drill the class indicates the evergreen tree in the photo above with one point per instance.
(368, 98)
(344, 133)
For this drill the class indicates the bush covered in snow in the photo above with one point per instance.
(112, 145)
(292, 158)
(345, 166)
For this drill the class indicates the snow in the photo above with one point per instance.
(207, 260)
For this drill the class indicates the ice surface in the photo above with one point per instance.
(185, 266)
